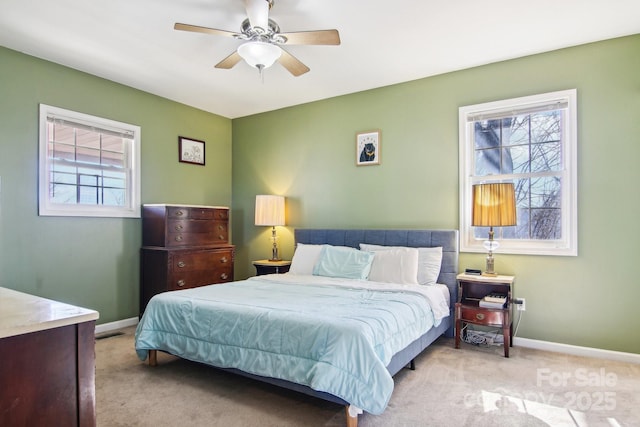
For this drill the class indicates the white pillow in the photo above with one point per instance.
(429, 261)
(429, 264)
(397, 265)
(305, 258)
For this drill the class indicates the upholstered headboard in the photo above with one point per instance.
(448, 239)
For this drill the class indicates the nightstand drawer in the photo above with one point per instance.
(483, 316)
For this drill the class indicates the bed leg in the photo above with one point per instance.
(351, 421)
(412, 365)
(153, 358)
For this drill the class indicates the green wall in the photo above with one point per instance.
(93, 262)
(307, 153)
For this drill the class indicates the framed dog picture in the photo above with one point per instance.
(368, 148)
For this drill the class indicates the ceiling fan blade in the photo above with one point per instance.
(322, 37)
(230, 61)
(292, 64)
(258, 13)
(206, 30)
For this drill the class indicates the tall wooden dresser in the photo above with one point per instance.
(184, 246)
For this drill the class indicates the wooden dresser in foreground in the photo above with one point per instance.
(184, 246)
(47, 362)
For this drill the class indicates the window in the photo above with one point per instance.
(532, 142)
(89, 166)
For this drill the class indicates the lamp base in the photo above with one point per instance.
(490, 262)
(275, 256)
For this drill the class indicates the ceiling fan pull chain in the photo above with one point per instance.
(260, 68)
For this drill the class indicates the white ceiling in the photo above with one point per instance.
(383, 42)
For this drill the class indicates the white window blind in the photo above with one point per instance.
(511, 111)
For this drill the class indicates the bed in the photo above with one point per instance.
(337, 336)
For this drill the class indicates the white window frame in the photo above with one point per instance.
(131, 207)
(567, 245)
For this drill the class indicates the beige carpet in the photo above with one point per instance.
(471, 386)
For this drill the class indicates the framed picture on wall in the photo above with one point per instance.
(191, 150)
(368, 148)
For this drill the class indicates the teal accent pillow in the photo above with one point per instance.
(343, 262)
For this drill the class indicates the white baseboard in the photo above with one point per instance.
(119, 324)
(577, 350)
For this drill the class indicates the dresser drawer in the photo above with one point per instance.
(194, 279)
(201, 260)
(197, 213)
(189, 226)
(196, 226)
(216, 237)
(482, 316)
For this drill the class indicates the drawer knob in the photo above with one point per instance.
(179, 227)
(224, 260)
(480, 316)
(220, 227)
(181, 283)
(179, 213)
(224, 276)
(181, 264)
(221, 237)
(179, 238)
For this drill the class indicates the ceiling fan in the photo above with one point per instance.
(263, 40)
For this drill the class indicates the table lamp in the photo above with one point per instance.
(494, 205)
(270, 212)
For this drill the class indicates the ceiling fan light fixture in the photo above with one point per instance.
(259, 54)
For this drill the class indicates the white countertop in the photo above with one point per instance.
(22, 313)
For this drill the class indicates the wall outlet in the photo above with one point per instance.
(521, 304)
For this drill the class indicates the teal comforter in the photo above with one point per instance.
(334, 336)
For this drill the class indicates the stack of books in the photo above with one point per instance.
(493, 301)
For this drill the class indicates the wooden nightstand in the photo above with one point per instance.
(264, 266)
(471, 289)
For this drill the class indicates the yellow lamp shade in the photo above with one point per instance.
(494, 205)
